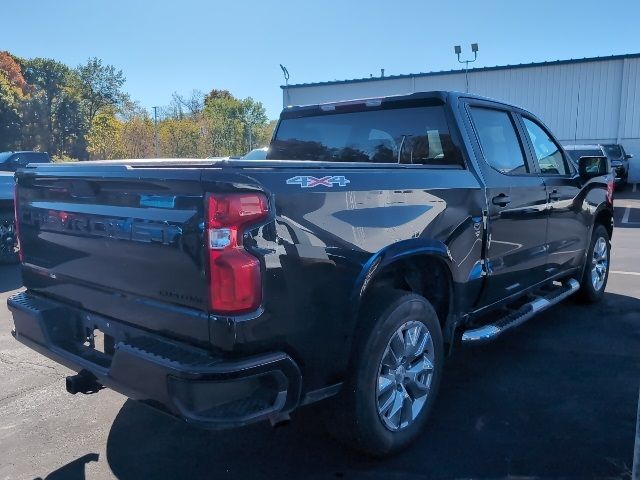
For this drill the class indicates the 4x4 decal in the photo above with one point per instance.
(306, 181)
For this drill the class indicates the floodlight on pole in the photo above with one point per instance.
(285, 72)
(458, 52)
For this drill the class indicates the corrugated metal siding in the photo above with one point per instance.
(603, 94)
(630, 116)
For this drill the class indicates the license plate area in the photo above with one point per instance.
(97, 340)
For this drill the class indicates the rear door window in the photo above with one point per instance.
(414, 135)
(499, 140)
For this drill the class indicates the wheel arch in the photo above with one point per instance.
(419, 266)
(604, 216)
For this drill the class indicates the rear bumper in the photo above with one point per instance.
(171, 376)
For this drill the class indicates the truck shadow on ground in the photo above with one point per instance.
(74, 470)
(10, 278)
(555, 398)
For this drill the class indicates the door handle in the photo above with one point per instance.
(501, 200)
(554, 195)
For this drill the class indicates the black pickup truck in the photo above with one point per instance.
(376, 236)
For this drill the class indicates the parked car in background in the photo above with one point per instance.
(589, 150)
(617, 154)
(12, 161)
(8, 238)
(256, 154)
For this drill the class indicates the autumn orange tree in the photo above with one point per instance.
(12, 94)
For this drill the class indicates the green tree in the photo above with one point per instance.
(104, 140)
(216, 94)
(232, 126)
(263, 134)
(253, 117)
(179, 138)
(47, 79)
(138, 137)
(10, 120)
(70, 126)
(100, 86)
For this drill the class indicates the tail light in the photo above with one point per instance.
(235, 283)
(16, 230)
(610, 188)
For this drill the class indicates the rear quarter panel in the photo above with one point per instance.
(324, 238)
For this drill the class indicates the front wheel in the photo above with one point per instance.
(596, 269)
(395, 374)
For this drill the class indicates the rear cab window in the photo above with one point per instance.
(394, 133)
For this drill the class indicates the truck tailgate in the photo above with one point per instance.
(118, 240)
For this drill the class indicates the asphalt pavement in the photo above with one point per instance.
(555, 398)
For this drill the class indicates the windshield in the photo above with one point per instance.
(613, 151)
(4, 156)
(393, 135)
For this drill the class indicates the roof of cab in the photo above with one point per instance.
(443, 96)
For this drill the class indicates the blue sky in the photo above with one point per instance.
(164, 46)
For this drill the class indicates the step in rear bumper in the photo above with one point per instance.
(174, 377)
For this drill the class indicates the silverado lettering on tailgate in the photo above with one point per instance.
(91, 226)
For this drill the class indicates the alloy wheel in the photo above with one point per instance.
(599, 263)
(405, 374)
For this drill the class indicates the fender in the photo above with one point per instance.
(599, 209)
(393, 253)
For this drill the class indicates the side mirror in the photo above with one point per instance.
(629, 156)
(590, 167)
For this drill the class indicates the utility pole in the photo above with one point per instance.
(155, 127)
(458, 51)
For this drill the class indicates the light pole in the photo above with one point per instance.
(285, 72)
(155, 127)
(458, 51)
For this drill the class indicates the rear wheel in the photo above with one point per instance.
(8, 239)
(596, 269)
(395, 374)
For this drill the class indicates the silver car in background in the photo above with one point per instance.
(618, 168)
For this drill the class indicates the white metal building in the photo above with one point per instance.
(589, 100)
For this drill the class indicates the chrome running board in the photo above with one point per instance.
(487, 333)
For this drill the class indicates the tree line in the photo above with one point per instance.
(82, 113)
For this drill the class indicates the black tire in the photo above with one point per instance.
(590, 293)
(8, 254)
(354, 416)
